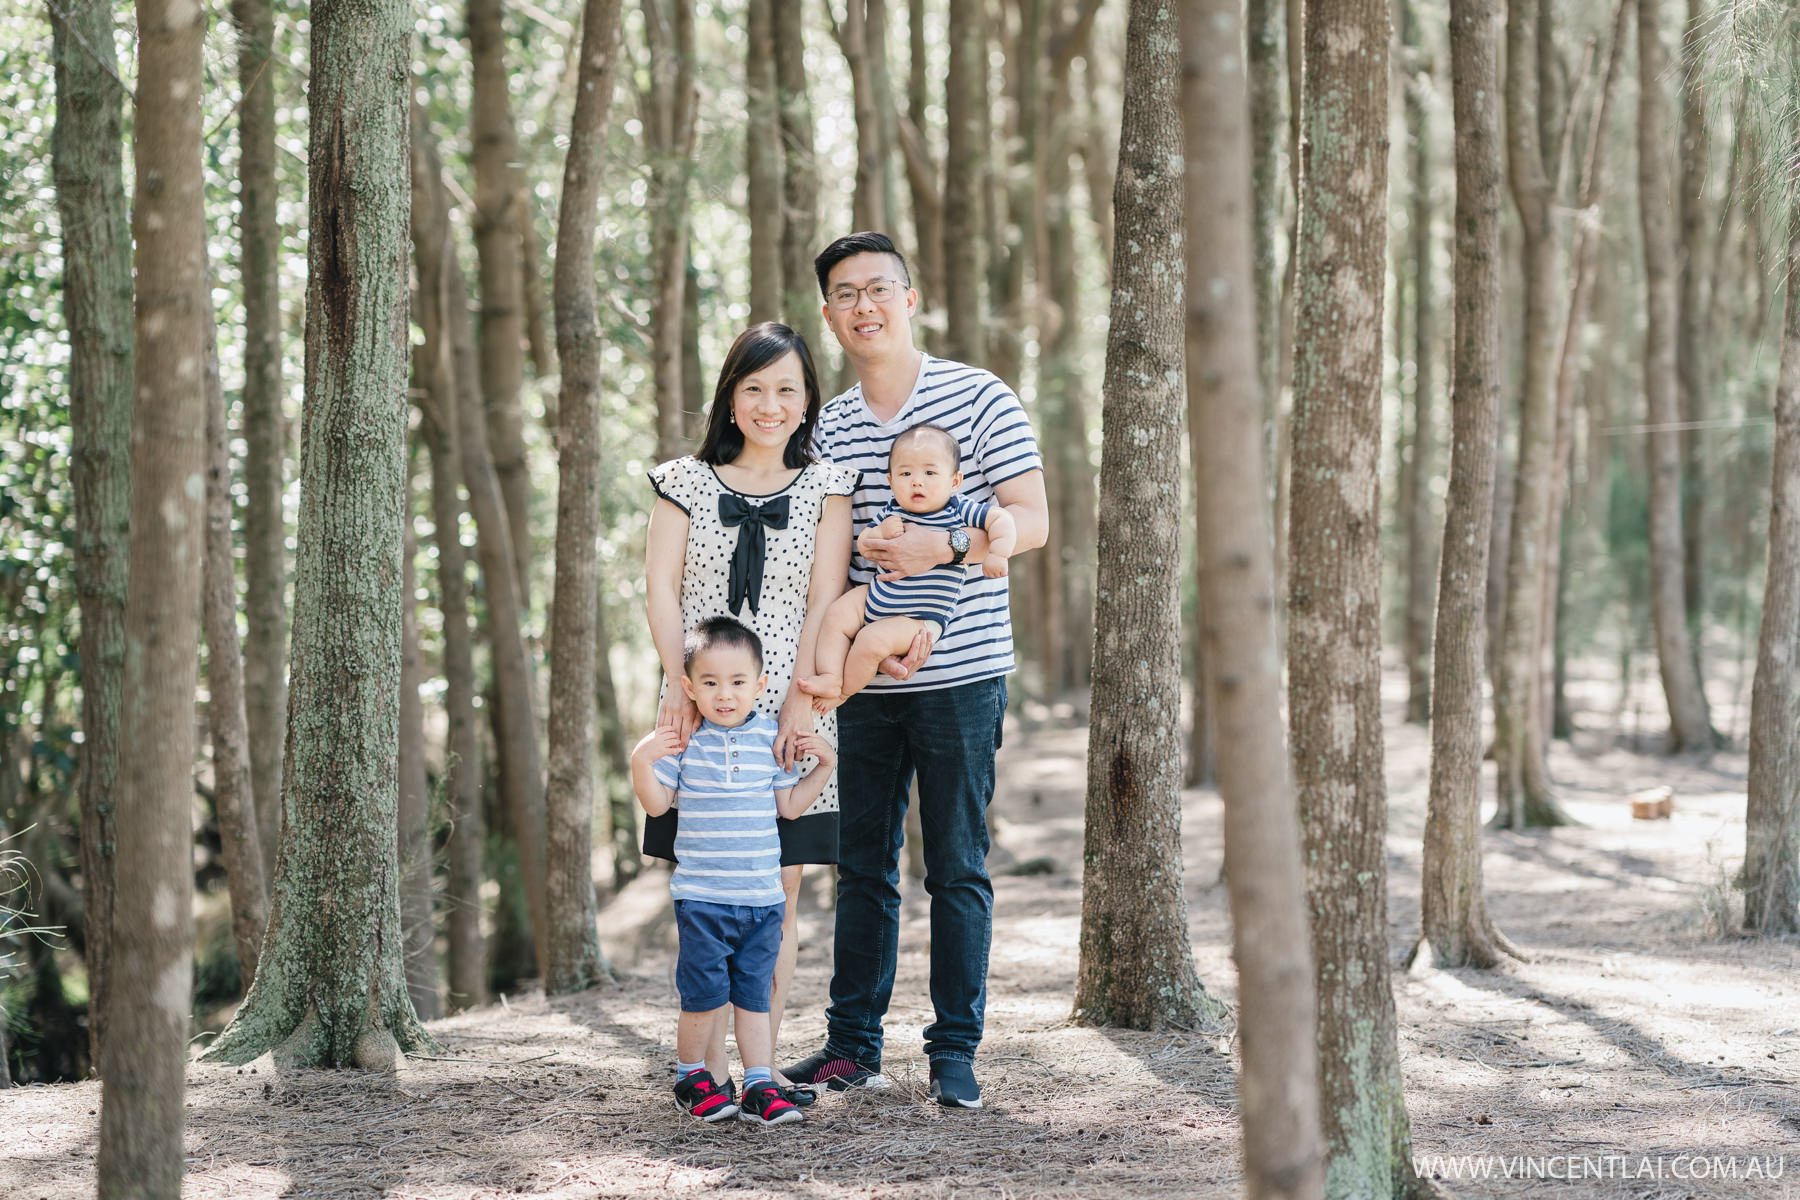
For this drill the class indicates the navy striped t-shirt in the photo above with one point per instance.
(990, 426)
(727, 849)
(930, 595)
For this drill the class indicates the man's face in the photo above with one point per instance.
(867, 327)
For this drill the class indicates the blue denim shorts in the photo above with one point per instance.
(727, 953)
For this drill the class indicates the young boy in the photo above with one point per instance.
(873, 620)
(727, 880)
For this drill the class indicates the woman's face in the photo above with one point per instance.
(769, 404)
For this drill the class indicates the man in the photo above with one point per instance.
(939, 716)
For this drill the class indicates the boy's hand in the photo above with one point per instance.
(815, 746)
(659, 743)
(994, 565)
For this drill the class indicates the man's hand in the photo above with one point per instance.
(902, 668)
(918, 549)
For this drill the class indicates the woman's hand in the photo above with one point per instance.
(677, 712)
(794, 723)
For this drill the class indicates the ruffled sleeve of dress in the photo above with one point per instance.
(675, 482)
(840, 481)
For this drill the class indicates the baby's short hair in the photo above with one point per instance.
(925, 429)
(717, 632)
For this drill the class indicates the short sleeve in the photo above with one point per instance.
(785, 778)
(840, 481)
(974, 512)
(668, 771)
(1005, 446)
(674, 481)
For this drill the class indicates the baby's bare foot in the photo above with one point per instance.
(822, 687)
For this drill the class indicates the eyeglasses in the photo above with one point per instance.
(880, 291)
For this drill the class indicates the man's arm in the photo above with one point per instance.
(920, 548)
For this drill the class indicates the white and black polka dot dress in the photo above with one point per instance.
(780, 606)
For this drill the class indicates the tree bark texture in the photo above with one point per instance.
(1771, 877)
(575, 961)
(413, 815)
(1263, 27)
(923, 172)
(668, 110)
(1334, 602)
(1522, 772)
(1421, 530)
(1453, 905)
(331, 990)
(1279, 1089)
(86, 162)
(1136, 967)
(1690, 725)
(151, 986)
(965, 170)
(1690, 334)
(863, 39)
(800, 300)
(499, 197)
(264, 428)
(762, 165)
(240, 847)
(531, 275)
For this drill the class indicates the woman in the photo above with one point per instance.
(753, 527)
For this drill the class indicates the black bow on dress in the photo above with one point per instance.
(747, 561)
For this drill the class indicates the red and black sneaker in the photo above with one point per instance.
(836, 1072)
(764, 1105)
(700, 1096)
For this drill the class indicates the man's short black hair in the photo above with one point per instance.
(716, 632)
(926, 429)
(852, 244)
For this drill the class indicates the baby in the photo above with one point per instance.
(874, 620)
(727, 882)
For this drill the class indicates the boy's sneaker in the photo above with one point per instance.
(701, 1097)
(764, 1105)
(836, 1072)
(953, 1084)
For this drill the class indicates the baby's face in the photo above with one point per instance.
(921, 475)
(724, 682)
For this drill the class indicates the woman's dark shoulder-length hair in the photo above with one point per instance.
(756, 348)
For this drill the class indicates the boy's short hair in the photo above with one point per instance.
(715, 632)
(852, 244)
(925, 429)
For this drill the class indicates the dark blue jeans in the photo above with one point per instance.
(948, 736)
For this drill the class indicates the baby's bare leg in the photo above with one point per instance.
(836, 633)
(878, 639)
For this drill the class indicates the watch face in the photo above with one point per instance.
(959, 543)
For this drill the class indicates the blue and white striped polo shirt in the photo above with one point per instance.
(931, 595)
(727, 849)
(990, 426)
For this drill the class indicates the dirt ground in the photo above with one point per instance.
(1643, 1051)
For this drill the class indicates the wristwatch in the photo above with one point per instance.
(959, 546)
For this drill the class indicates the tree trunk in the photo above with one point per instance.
(800, 299)
(499, 195)
(1690, 726)
(863, 39)
(1263, 20)
(667, 111)
(615, 753)
(1522, 773)
(264, 427)
(1771, 877)
(966, 156)
(1690, 334)
(331, 990)
(1421, 530)
(233, 792)
(441, 285)
(86, 153)
(1334, 602)
(150, 990)
(1279, 1090)
(1136, 968)
(923, 173)
(531, 278)
(1452, 904)
(574, 940)
(413, 814)
(762, 167)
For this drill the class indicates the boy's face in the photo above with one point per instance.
(724, 682)
(921, 475)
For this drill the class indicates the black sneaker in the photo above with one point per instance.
(835, 1072)
(701, 1097)
(764, 1105)
(953, 1084)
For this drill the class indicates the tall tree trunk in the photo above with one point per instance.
(615, 753)
(1690, 726)
(151, 988)
(863, 39)
(233, 792)
(1016, 189)
(667, 110)
(1690, 333)
(1452, 903)
(1522, 772)
(1421, 531)
(965, 235)
(762, 167)
(1334, 601)
(499, 196)
(923, 172)
(531, 277)
(575, 959)
(1771, 877)
(86, 153)
(1136, 968)
(331, 990)
(1263, 22)
(800, 300)
(440, 286)
(1283, 1152)
(264, 427)
(413, 813)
